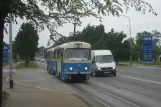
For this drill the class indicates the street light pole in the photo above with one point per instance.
(130, 38)
(10, 44)
(75, 24)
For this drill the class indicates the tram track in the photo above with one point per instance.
(97, 100)
(87, 95)
(114, 95)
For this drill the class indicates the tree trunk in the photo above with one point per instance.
(26, 60)
(1, 53)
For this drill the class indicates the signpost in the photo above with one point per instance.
(147, 54)
(5, 54)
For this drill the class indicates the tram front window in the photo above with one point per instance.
(77, 54)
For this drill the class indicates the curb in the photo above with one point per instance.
(53, 90)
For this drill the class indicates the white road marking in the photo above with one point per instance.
(35, 80)
(119, 98)
(8, 70)
(101, 102)
(139, 79)
(31, 74)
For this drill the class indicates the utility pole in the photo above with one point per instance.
(10, 44)
(75, 24)
(130, 38)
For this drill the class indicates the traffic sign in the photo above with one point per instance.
(147, 55)
(5, 54)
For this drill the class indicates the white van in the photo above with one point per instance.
(102, 62)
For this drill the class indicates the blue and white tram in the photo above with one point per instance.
(72, 60)
(51, 63)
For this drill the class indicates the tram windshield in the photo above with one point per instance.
(77, 54)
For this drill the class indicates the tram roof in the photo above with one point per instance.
(69, 43)
(51, 49)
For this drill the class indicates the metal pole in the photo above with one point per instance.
(10, 44)
(130, 42)
(130, 38)
(74, 30)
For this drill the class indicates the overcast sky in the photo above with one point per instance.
(139, 23)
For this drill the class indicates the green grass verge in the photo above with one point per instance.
(151, 64)
(4, 95)
(143, 63)
(122, 65)
(5, 63)
(22, 66)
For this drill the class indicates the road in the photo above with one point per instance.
(132, 87)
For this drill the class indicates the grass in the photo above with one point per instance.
(4, 96)
(122, 65)
(151, 64)
(23, 66)
(143, 63)
(5, 63)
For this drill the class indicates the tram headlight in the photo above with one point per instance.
(71, 68)
(86, 68)
(99, 68)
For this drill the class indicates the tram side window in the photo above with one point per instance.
(66, 54)
(54, 54)
(59, 54)
(48, 55)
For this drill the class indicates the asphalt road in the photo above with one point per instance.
(132, 87)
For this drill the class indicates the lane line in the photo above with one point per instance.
(8, 70)
(101, 102)
(139, 79)
(119, 98)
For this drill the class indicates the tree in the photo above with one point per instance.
(59, 12)
(114, 42)
(5, 44)
(27, 41)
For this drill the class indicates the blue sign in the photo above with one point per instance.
(147, 55)
(5, 54)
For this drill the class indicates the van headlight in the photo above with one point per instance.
(114, 67)
(71, 68)
(86, 68)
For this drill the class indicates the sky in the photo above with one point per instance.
(139, 23)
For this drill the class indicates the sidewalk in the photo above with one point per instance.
(26, 96)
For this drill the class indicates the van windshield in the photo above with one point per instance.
(104, 58)
(77, 54)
